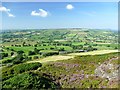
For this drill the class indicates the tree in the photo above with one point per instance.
(116, 47)
(3, 55)
(18, 59)
(12, 53)
(52, 48)
(20, 52)
(35, 57)
(90, 48)
(31, 53)
(35, 45)
(23, 44)
(80, 46)
(108, 45)
(12, 49)
(36, 50)
(61, 49)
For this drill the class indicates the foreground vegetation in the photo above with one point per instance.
(78, 72)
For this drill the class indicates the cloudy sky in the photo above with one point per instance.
(40, 15)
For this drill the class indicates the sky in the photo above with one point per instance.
(45, 15)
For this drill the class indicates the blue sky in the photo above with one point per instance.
(38, 15)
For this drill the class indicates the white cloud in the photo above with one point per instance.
(4, 9)
(41, 13)
(10, 15)
(69, 7)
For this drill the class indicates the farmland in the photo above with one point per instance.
(59, 58)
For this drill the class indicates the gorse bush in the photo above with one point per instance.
(10, 71)
(29, 80)
(26, 67)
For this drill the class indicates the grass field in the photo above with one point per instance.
(72, 55)
(94, 52)
(52, 58)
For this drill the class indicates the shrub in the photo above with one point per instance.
(3, 55)
(31, 53)
(7, 61)
(12, 53)
(35, 57)
(50, 53)
(26, 67)
(20, 52)
(52, 48)
(29, 80)
(8, 72)
(61, 49)
(36, 50)
(18, 59)
(108, 45)
(29, 58)
(116, 47)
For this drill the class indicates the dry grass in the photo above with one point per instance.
(69, 56)
(94, 52)
(52, 58)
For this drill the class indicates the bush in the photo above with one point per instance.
(12, 53)
(26, 67)
(50, 53)
(29, 80)
(35, 57)
(108, 45)
(7, 61)
(20, 52)
(18, 59)
(61, 49)
(116, 48)
(31, 53)
(36, 50)
(29, 58)
(95, 49)
(52, 48)
(8, 72)
(3, 55)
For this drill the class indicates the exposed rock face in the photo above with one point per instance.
(107, 70)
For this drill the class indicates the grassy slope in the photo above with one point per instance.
(73, 72)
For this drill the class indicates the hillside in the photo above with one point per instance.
(59, 58)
